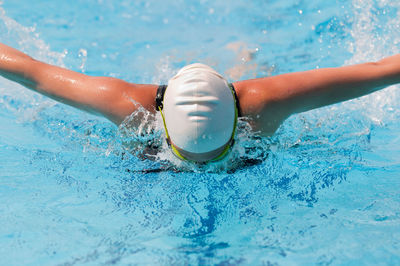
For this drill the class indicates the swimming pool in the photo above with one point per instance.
(323, 190)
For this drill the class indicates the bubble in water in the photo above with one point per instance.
(83, 55)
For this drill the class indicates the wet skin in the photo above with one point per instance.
(267, 102)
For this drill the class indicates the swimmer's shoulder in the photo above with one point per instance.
(143, 94)
(262, 101)
(125, 97)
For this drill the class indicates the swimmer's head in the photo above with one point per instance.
(199, 113)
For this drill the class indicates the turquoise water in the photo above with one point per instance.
(323, 190)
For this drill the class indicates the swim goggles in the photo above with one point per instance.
(159, 106)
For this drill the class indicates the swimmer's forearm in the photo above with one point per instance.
(269, 101)
(13, 64)
(38, 76)
(303, 91)
(321, 87)
(60, 84)
(8, 53)
(110, 97)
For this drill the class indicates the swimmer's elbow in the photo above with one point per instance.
(391, 64)
(386, 71)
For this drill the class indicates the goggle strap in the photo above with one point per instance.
(160, 97)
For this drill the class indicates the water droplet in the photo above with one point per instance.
(82, 54)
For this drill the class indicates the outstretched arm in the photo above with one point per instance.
(113, 98)
(269, 101)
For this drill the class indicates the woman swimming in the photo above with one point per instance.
(199, 107)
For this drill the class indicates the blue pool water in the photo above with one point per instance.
(323, 190)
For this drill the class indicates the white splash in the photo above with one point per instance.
(375, 36)
(27, 40)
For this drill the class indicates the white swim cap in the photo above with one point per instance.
(199, 110)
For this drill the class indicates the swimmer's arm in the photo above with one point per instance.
(113, 98)
(269, 101)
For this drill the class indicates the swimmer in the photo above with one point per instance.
(198, 106)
